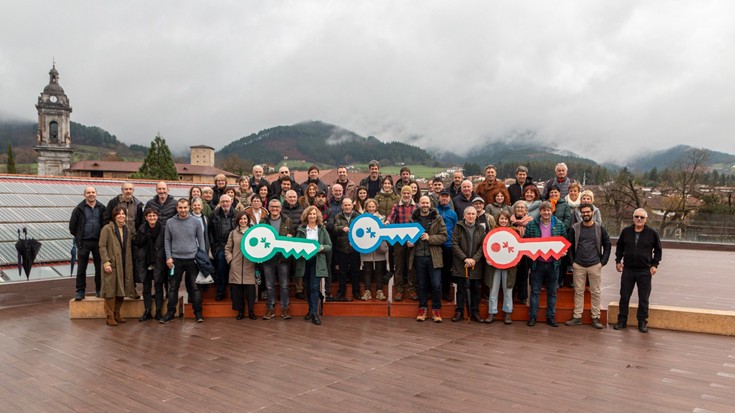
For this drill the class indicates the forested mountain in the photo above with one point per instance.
(22, 135)
(323, 143)
(720, 161)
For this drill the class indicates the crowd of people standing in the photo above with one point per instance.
(163, 241)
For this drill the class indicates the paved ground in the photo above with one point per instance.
(686, 278)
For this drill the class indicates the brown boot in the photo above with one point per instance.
(118, 306)
(109, 311)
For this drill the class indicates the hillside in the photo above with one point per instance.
(90, 142)
(320, 142)
(720, 161)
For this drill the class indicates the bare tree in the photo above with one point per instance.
(677, 206)
(623, 195)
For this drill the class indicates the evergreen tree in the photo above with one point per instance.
(11, 160)
(158, 163)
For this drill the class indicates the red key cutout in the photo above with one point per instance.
(504, 248)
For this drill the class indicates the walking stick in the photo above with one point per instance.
(467, 292)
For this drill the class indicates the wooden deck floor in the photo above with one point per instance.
(353, 364)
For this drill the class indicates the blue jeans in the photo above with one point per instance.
(270, 270)
(428, 276)
(223, 273)
(544, 271)
(500, 277)
(311, 286)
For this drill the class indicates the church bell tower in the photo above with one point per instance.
(53, 138)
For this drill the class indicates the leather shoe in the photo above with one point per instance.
(315, 319)
(168, 317)
(307, 317)
(240, 315)
(619, 325)
(457, 317)
(643, 326)
(476, 318)
(552, 323)
(146, 316)
(531, 322)
(252, 316)
(79, 295)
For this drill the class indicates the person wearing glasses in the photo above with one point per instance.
(284, 173)
(637, 256)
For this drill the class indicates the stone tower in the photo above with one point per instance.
(53, 138)
(202, 155)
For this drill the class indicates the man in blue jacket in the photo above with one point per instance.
(542, 269)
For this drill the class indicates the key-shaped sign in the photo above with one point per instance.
(261, 242)
(367, 232)
(504, 248)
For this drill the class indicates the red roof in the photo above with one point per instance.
(131, 167)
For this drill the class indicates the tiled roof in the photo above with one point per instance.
(131, 167)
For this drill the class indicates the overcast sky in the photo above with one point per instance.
(605, 79)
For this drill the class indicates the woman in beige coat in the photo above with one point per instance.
(242, 271)
(116, 255)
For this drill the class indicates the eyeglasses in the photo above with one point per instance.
(639, 217)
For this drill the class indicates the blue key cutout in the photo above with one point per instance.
(367, 232)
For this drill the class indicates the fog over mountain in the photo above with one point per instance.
(605, 80)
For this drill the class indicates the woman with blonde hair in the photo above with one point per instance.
(315, 268)
(587, 197)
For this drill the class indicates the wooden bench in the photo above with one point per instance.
(695, 320)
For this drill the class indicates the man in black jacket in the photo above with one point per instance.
(163, 203)
(373, 181)
(637, 256)
(133, 206)
(517, 188)
(589, 252)
(85, 225)
(221, 222)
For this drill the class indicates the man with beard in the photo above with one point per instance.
(349, 187)
(427, 258)
(589, 252)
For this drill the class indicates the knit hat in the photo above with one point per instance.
(406, 188)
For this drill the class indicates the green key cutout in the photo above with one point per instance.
(261, 243)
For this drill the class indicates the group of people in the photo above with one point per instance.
(163, 241)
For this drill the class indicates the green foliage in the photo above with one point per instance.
(139, 149)
(158, 163)
(92, 135)
(11, 160)
(470, 169)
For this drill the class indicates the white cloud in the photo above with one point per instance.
(604, 79)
